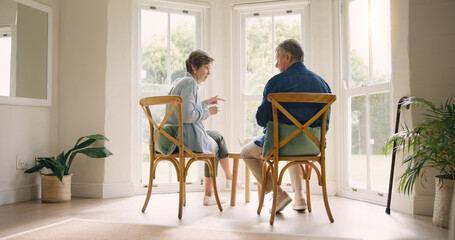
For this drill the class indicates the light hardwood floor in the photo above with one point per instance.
(353, 219)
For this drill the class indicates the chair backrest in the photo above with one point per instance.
(176, 102)
(277, 98)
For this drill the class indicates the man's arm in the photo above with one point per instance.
(264, 113)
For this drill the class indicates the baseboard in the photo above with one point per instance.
(416, 205)
(402, 203)
(114, 190)
(315, 188)
(19, 194)
(102, 190)
(423, 205)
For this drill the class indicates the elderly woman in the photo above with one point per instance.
(194, 111)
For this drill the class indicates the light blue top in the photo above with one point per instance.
(194, 111)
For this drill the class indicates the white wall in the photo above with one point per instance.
(423, 57)
(28, 131)
(118, 178)
(432, 70)
(82, 95)
(83, 64)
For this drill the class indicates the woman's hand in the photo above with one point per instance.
(213, 100)
(214, 109)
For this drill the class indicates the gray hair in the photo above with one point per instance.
(293, 47)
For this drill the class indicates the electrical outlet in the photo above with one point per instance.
(35, 158)
(21, 162)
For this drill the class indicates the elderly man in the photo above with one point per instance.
(293, 77)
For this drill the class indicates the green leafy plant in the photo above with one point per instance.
(60, 166)
(430, 144)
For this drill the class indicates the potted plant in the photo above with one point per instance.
(430, 144)
(56, 186)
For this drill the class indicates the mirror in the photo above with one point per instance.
(25, 53)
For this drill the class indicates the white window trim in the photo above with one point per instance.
(201, 9)
(240, 11)
(345, 94)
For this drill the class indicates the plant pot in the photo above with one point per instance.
(442, 201)
(53, 191)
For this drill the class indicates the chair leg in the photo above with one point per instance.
(213, 174)
(247, 184)
(235, 171)
(275, 192)
(181, 185)
(326, 200)
(261, 189)
(181, 189)
(261, 196)
(307, 183)
(184, 192)
(149, 189)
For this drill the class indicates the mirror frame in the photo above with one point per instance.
(5, 100)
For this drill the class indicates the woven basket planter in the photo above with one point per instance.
(53, 191)
(442, 202)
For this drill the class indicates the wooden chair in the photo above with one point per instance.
(178, 159)
(271, 160)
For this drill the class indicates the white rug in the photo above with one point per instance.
(83, 229)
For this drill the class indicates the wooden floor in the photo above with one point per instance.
(353, 219)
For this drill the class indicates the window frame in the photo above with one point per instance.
(201, 12)
(368, 90)
(239, 92)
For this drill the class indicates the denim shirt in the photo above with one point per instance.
(194, 111)
(297, 78)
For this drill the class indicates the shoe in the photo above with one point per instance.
(210, 200)
(282, 200)
(299, 204)
(229, 184)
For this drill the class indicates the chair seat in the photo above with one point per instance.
(293, 158)
(175, 155)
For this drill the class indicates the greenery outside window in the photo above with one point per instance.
(366, 97)
(262, 27)
(168, 33)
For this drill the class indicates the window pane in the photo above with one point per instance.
(286, 27)
(358, 158)
(380, 130)
(5, 65)
(183, 36)
(380, 41)
(358, 41)
(259, 53)
(154, 44)
(252, 128)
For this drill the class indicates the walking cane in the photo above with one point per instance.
(392, 167)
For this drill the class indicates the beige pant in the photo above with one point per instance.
(252, 154)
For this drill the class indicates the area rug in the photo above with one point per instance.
(83, 229)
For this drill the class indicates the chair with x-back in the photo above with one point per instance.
(171, 136)
(296, 144)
